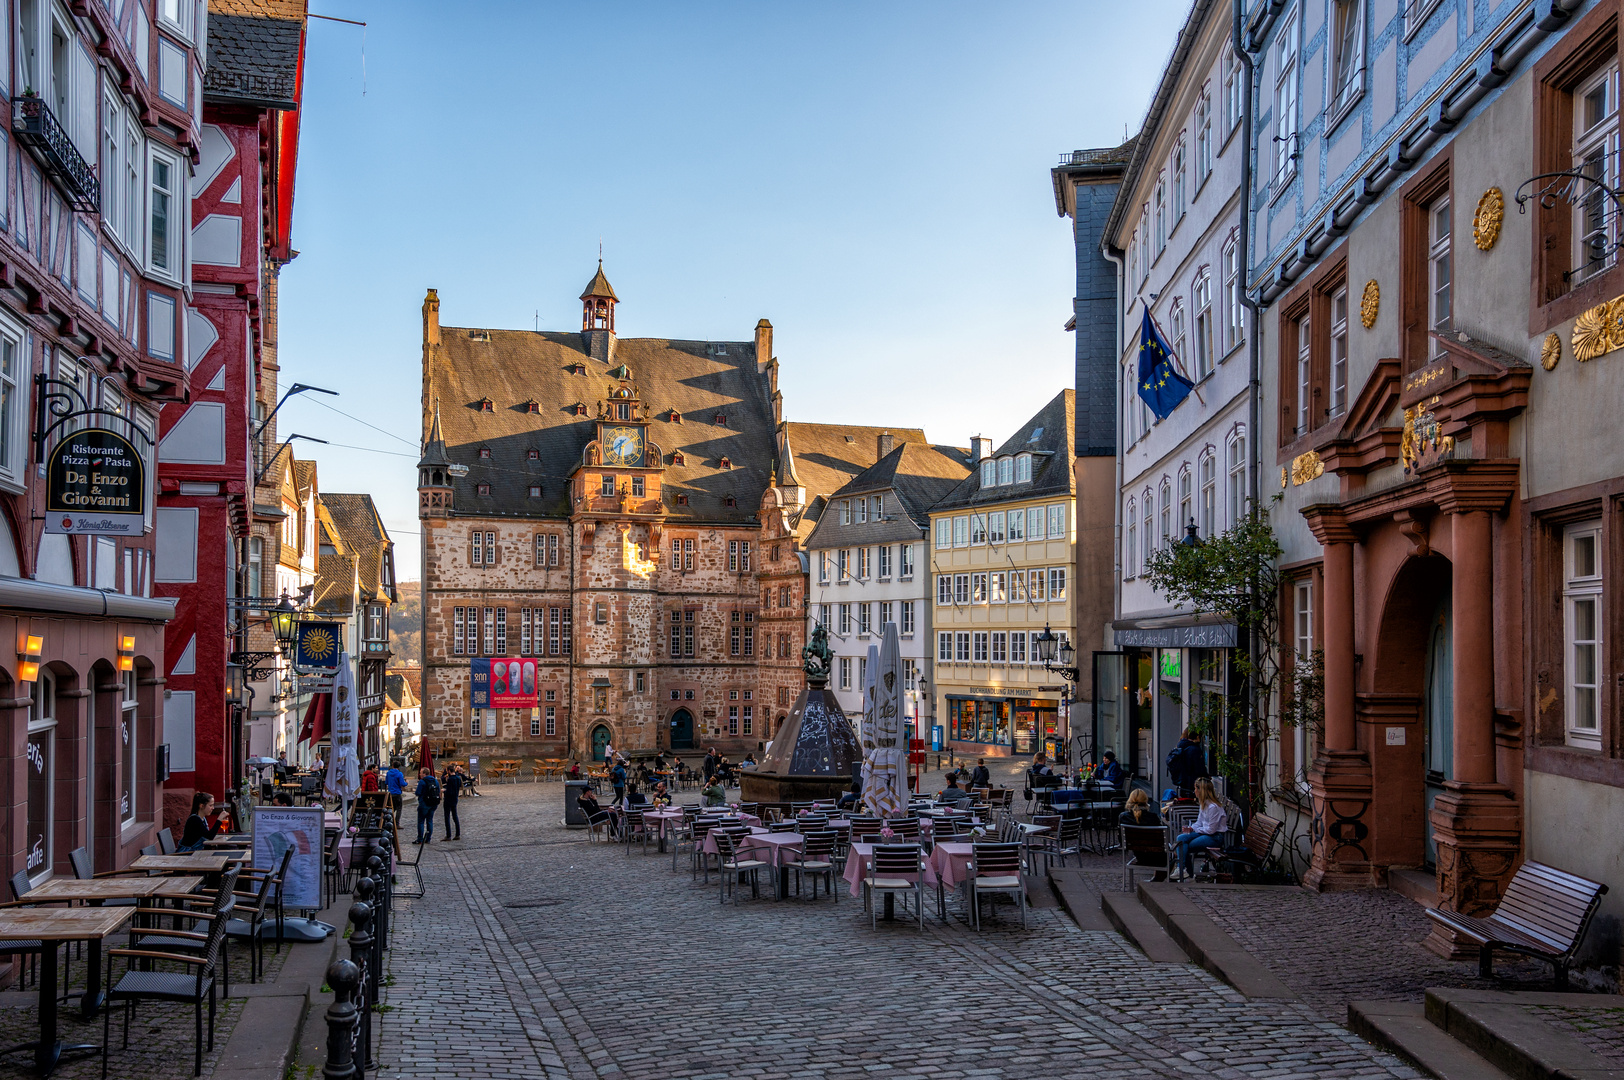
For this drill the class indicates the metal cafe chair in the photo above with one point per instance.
(733, 866)
(996, 868)
(895, 868)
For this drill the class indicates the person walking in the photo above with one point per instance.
(394, 782)
(617, 779)
(428, 800)
(980, 778)
(1186, 763)
(453, 789)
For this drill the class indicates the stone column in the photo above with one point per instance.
(1476, 821)
(1340, 779)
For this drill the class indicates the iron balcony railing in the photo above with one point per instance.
(37, 128)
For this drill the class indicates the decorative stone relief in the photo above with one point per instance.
(1491, 212)
(1306, 467)
(1550, 352)
(1598, 331)
(1369, 303)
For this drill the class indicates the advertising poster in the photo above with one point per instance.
(278, 828)
(502, 684)
(95, 482)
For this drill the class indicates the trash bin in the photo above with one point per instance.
(573, 789)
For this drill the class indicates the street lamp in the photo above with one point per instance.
(285, 621)
(236, 684)
(1190, 537)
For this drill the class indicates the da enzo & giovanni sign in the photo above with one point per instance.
(95, 482)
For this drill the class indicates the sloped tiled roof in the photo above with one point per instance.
(920, 475)
(599, 287)
(1053, 450)
(397, 691)
(357, 521)
(304, 478)
(827, 456)
(335, 584)
(713, 386)
(254, 52)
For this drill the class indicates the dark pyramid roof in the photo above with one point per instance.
(434, 449)
(921, 475)
(599, 286)
(1053, 448)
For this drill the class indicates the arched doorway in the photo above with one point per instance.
(600, 741)
(682, 730)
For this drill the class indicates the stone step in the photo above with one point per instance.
(1133, 922)
(1207, 944)
(1504, 1029)
(1403, 1028)
(1079, 898)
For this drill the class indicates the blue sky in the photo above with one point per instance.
(871, 177)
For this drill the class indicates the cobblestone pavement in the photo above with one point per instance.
(1600, 1029)
(160, 1035)
(1337, 947)
(535, 953)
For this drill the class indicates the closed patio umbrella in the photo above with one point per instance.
(882, 728)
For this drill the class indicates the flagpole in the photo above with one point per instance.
(1176, 358)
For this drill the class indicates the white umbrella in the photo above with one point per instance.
(344, 762)
(883, 783)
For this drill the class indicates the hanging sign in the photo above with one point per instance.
(502, 684)
(317, 646)
(95, 482)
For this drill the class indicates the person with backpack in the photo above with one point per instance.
(617, 779)
(428, 801)
(1186, 763)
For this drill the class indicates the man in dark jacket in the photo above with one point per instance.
(428, 800)
(1186, 762)
(453, 789)
(979, 776)
(617, 780)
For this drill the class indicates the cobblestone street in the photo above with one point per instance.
(535, 953)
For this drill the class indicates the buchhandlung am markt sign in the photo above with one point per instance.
(95, 482)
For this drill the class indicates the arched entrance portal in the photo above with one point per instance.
(1413, 709)
(600, 740)
(682, 730)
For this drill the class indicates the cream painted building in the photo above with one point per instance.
(1002, 552)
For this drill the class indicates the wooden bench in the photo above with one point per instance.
(1544, 914)
(1256, 848)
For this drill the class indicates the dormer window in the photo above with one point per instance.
(1023, 468)
(674, 416)
(533, 454)
(677, 458)
(535, 491)
(487, 405)
(484, 489)
(623, 411)
(479, 335)
(1006, 471)
(580, 408)
(576, 369)
(726, 464)
(989, 473)
(682, 499)
(721, 420)
(484, 453)
(533, 407)
(730, 502)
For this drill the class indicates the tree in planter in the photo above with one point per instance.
(1234, 575)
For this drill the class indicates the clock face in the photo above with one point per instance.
(623, 446)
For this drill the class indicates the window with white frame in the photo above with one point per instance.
(862, 511)
(998, 587)
(1186, 500)
(1147, 531)
(1057, 521)
(1339, 351)
(1057, 583)
(1237, 478)
(961, 588)
(133, 159)
(995, 527)
(944, 533)
(1302, 614)
(989, 473)
(944, 589)
(1596, 154)
(1305, 374)
(1201, 299)
(1034, 523)
(165, 206)
(1177, 321)
(1130, 564)
(1161, 214)
(1582, 619)
(1285, 101)
(961, 531)
(1234, 89)
(823, 567)
(864, 623)
(843, 565)
(1023, 468)
(1180, 194)
(1166, 498)
(978, 529)
(1006, 471)
(845, 673)
(845, 620)
(1203, 140)
(1209, 495)
(944, 647)
(961, 646)
(907, 618)
(14, 399)
(1144, 243)
(1133, 262)
(978, 587)
(1234, 326)
(1017, 587)
(884, 562)
(1348, 53)
(887, 613)
(1000, 647)
(1440, 273)
(1017, 526)
(905, 561)
(1416, 12)
(862, 563)
(176, 15)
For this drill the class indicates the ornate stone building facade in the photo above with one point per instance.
(628, 514)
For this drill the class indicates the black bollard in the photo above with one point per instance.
(387, 922)
(361, 954)
(380, 878)
(342, 1015)
(365, 889)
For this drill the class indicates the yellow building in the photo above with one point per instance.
(1002, 553)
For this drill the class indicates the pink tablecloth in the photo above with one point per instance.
(663, 820)
(949, 863)
(857, 867)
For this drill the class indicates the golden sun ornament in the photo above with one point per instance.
(317, 644)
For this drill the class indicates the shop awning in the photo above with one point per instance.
(314, 727)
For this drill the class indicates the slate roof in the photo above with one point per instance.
(364, 536)
(1053, 450)
(920, 475)
(397, 691)
(254, 52)
(335, 586)
(825, 457)
(702, 381)
(304, 478)
(599, 287)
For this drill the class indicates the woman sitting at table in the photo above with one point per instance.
(848, 798)
(714, 793)
(1109, 771)
(595, 814)
(1208, 831)
(198, 830)
(1139, 811)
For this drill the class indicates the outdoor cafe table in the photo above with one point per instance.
(770, 847)
(50, 926)
(198, 862)
(857, 864)
(115, 888)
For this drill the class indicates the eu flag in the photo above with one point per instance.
(1161, 386)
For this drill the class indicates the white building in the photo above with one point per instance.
(1175, 232)
(868, 565)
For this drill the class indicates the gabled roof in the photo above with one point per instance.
(919, 475)
(304, 478)
(714, 387)
(335, 586)
(254, 50)
(397, 691)
(364, 537)
(827, 456)
(1050, 437)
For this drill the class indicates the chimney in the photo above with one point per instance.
(884, 444)
(764, 345)
(431, 318)
(980, 448)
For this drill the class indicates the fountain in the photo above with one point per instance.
(815, 753)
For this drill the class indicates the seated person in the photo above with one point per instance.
(1109, 771)
(714, 793)
(1041, 775)
(1139, 811)
(575, 770)
(849, 798)
(595, 815)
(660, 795)
(953, 795)
(198, 828)
(283, 799)
(635, 798)
(749, 761)
(1207, 832)
(643, 775)
(724, 771)
(659, 761)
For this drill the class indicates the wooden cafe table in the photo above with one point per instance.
(52, 926)
(195, 863)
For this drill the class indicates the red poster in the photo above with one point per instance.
(513, 684)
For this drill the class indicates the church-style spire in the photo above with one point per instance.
(434, 473)
(598, 303)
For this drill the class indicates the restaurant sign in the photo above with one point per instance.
(95, 482)
(502, 684)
